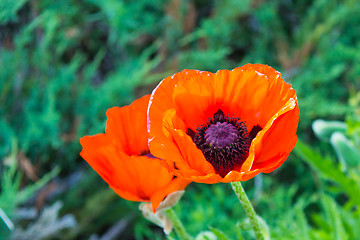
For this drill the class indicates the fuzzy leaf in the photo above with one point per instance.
(345, 149)
(324, 129)
(219, 234)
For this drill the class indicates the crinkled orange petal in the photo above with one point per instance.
(176, 185)
(126, 126)
(150, 174)
(163, 100)
(275, 142)
(190, 152)
(127, 195)
(241, 93)
(188, 149)
(193, 97)
(104, 158)
(172, 152)
(254, 92)
(291, 109)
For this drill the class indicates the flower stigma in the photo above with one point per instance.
(224, 141)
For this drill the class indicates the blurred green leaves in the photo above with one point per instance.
(330, 170)
(9, 9)
(339, 221)
(56, 92)
(63, 63)
(11, 194)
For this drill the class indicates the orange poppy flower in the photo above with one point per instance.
(121, 157)
(223, 127)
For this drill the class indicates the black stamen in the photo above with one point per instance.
(190, 132)
(224, 141)
(254, 131)
(147, 154)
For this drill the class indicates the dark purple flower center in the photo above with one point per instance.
(224, 141)
(221, 134)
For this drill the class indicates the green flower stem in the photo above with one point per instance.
(249, 209)
(179, 227)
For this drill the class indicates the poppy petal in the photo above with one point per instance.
(126, 126)
(172, 89)
(241, 98)
(103, 157)
(126, 195)
(159, 196)
(275, 142)
(193, 96)
(288, 119)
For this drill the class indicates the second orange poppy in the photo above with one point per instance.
(121, 157)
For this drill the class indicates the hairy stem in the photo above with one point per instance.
(178, 226)
(249, 209)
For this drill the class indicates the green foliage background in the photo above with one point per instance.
(63, 63)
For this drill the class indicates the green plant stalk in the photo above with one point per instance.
(178, 226)
(249, 209)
